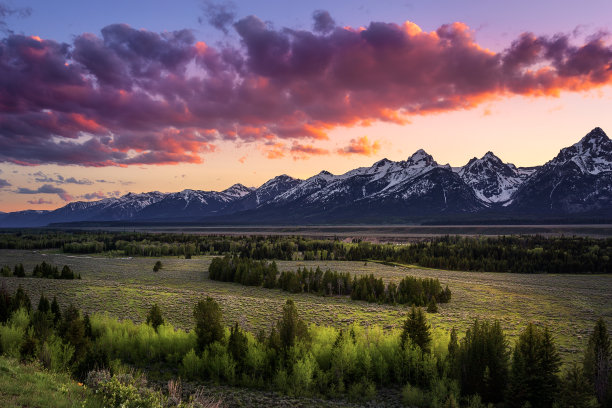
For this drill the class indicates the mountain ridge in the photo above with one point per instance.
(578, 180)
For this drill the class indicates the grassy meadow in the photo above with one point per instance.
(126, 287)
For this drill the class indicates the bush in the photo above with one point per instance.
(192, 366)
(55, 355)
(414, 396)
(158, 265)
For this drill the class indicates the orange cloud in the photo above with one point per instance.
(360, 146)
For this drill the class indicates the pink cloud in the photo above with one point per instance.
(129, 97)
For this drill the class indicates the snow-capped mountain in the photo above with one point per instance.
(267, 192)
(492, 180)
(577, 181)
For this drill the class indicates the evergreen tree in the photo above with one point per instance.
(237, 344)
(576, 390)
(432, 307)
(208, 322)
(598, 364)
(43, 304)
(154, 317)
(19, 271)
(72, 330)
(21, 299)
(482, 361)
(535, 363)
(67, 273)
(57, 313)
(417, 330)
(291, 327)
(6, 304)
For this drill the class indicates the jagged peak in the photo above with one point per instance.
(421, 157)
(595, 134)
(237, 190)
(282, 178)
(490, 156)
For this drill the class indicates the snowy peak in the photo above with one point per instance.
(237, 190)
(492, 180)
(592, 154)
(421, 158)
(283, 178)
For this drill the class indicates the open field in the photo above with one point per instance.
(127, 287)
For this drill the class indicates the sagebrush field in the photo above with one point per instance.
(127, 287)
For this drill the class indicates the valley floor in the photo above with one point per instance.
(126, 288)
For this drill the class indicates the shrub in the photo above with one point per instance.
(192, 366)
(414, 396)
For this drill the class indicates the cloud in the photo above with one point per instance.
(323, 22)
(97, 195)
(7, 11)
(40, 201)
(46, 189)
(304, 151)
(4, 183)
(59, 179)
(134, 97)
(219, 15)
(360, 146)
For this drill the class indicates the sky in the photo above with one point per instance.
(101, 98)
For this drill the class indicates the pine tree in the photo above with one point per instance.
(598, 364)
(417, 330)
(19, 271)
(43, 304)
(432, 307)
(535, 364)
(6, 304)
(291, 327)
(482, 361)
(21, 299)
(237, 344)
(208, 322)
(57, 313)
(576, 390)
(154, 317)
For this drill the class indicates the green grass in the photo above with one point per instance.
(30, 386)
(126, 288)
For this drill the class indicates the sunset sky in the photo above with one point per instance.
(100, 98)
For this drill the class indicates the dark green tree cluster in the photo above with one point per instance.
(410, 290)
(313, 281)
(241, 270)
(17, 271)
(45, 270)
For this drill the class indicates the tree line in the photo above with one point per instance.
(410, 290)
(300, 359)
(517, 254)
(42, 270)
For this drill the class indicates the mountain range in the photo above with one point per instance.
(575, 185)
